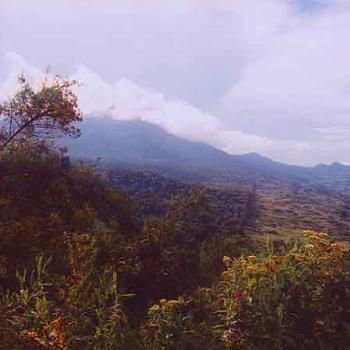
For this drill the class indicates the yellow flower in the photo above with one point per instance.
(226, 260)
(172, 303)
(309, 246)
(154, 309)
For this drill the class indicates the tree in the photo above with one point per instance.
(33, 114)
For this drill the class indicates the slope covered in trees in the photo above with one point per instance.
(278, 207)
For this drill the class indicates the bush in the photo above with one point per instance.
(84, 313)
(296, 300)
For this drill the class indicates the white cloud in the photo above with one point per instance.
(13, 65)
(124, 100)
(127, 101)
(334, 134)
(303, 76)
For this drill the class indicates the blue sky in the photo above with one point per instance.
(308, 5)
(270, 76)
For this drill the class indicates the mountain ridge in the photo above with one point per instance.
(106, 126)
(146, 144)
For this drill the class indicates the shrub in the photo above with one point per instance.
(295, 300)
(43, 315)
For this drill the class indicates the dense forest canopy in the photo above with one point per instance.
(83, 267)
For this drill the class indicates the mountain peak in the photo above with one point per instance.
(256, 156)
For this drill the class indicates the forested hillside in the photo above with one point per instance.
(230, 208)
(265, 206)
(104, 257)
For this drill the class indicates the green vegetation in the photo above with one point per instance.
(84, 266)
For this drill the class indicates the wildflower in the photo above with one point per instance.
(226, 260)
(233, 336)
(237, 295)
(154, 309)
(171, 303)
(32, 334)
(309, 246)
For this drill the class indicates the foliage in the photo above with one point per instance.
(86, 313)
(37, 114)
(182, 323)
(295, 300)
(229, 206)
(44, 198)
(213, 249)
(168, 324)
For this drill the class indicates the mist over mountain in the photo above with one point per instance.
(144, 143)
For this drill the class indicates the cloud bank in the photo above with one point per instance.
(124, 100)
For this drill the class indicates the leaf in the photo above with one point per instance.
(252, 283)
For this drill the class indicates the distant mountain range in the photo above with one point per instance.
(146, 144)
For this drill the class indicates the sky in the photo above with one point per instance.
(266, 76)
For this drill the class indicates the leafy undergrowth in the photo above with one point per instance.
(296, 298)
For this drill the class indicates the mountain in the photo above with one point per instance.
(145, 144)
(141, 142)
